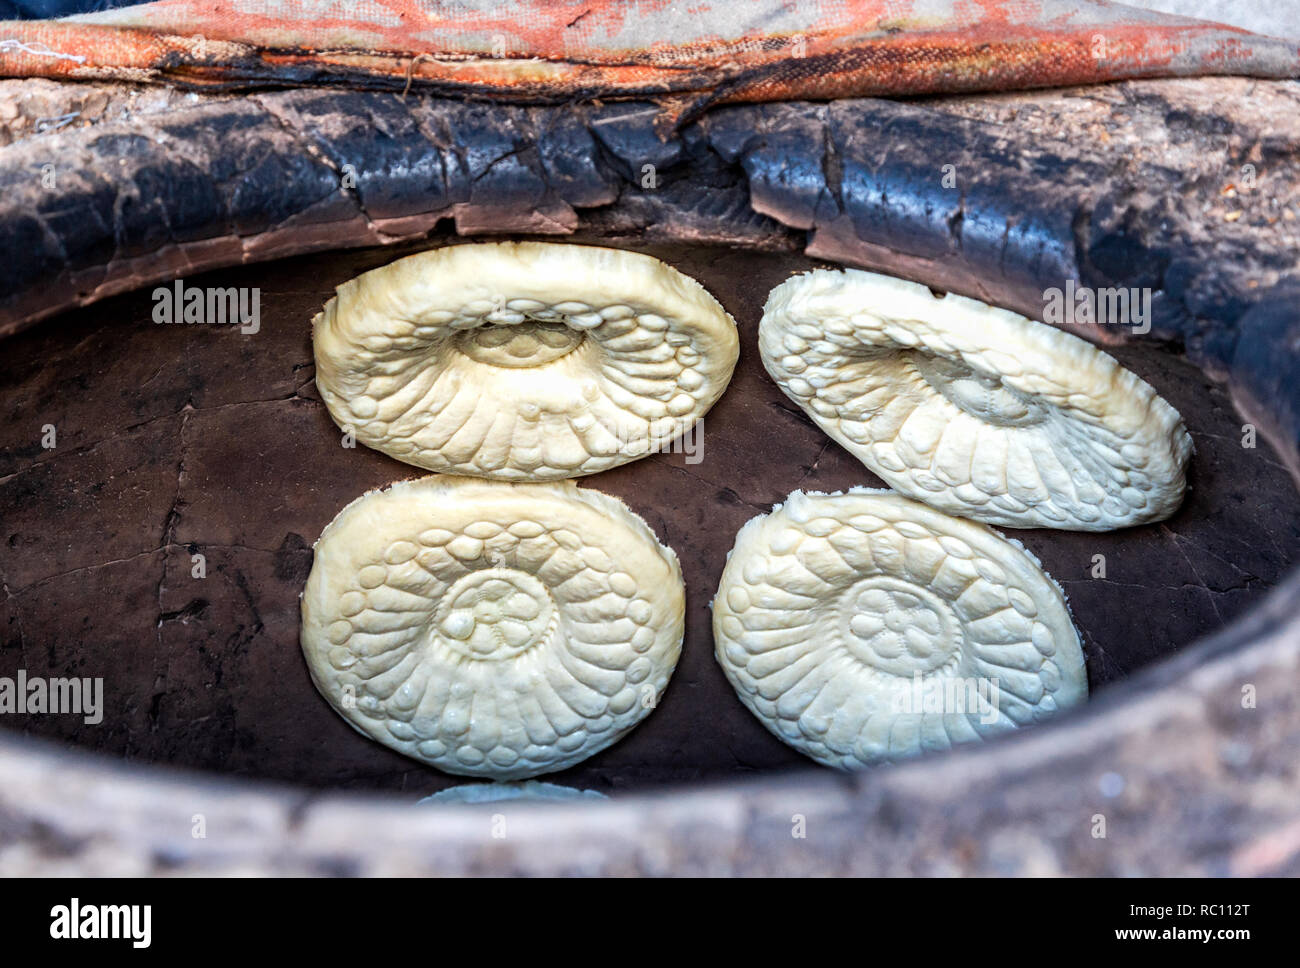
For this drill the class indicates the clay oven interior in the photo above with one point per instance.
(175, 441)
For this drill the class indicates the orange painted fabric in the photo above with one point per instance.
(700, 52)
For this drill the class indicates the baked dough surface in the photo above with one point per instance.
(522, 360)
(864, 627)
(491, 629)
(974, 410)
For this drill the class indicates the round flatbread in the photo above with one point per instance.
(491, 629)
(974, 410)
(864, 627)
(522, 360)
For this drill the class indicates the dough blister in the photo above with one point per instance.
(492, 629)
(522, 360)
(974, 410)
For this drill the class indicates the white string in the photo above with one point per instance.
(39, 50)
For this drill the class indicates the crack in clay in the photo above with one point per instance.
(84, 568)
(1187, 558)
(309, 145)
(86, 449)
(832, 165)
(713, 484)
(1245, 586)
(813, 466)
(192, 609)
(1237, 568)
(169, 530)
(190, 546)
(514, 152)
(12, 600)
